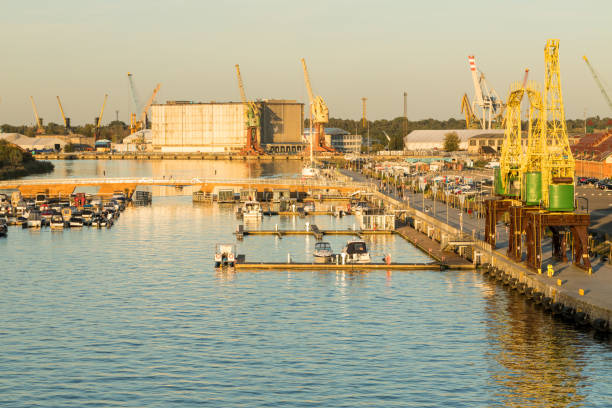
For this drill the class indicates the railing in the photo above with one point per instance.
(187, 181)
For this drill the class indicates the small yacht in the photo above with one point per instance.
(310, 172)
(322, 252)
(225, 255)
(76, 222)
(57, 222)
(356, 251)
(252, 209)
(34, 220)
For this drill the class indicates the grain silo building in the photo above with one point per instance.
(220, 127)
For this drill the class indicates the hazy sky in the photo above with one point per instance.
(378, 49)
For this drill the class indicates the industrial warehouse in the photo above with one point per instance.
(220, 127)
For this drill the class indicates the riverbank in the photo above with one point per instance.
(580, 295)
(166, 156)
(15, 162)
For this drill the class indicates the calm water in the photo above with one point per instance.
(136, 316)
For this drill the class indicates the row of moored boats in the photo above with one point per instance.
(74, 212)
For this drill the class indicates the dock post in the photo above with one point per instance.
(288, 257)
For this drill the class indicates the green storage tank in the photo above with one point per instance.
(533, 188)
(499, 188)
(561, 197)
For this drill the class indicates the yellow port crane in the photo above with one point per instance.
(99, 119)
(145, 111)
(509, 178)
(252, 116)
(598, 81)
(471, 120)
(66, 120)
(559, 166)
(39, 122)
(535, 155)
(320, 114)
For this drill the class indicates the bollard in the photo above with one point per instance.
(559, 282)
(275, 227)
(288, 257)
(550, 272)
(581, 292)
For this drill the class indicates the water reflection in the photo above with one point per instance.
(174, 168)
(539, 361)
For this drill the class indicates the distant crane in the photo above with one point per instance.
(39, 122)
(98, 120)
(320, 113)
(136, 101)
(66, 120)
(486, 98)
(598, 81)
(471, 120)
(252, 116)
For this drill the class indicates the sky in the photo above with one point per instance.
(81, 50)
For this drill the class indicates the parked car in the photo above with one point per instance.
(582, 181)
(602, 184)
(592, 180)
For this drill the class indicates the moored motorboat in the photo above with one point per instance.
(322, 252)
(356, 251)
(57, 222)
(76, 222)
(252, 209)
(3, 228)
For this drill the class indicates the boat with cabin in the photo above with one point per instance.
(322, 252)
(356, 251)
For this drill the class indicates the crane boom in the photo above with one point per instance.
(476, 79)
(101, 112)
(525, 77)
(135, 98)
(307, 80)
(466, 109)
(241, 85)
(38, 121)
(143, 115)
(598, 81)
(62, 111)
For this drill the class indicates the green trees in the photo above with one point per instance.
(451, 142)
(15, 162)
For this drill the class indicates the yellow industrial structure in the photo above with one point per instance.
(66, 120)
(471, 120)
(99, 119)
(252, 119)
(39, 122)
(320, 115)
(544, 174)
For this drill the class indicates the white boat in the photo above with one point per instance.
(225, 255)
(57, 222)
(322, 252)
(356, 251)
(34, 220)
(76, 222)
(252, 209)
(310, 172)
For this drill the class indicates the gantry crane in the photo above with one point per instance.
(508, 176)
(486, 98)
(99, 119)
(320, 114)
(558, 172)
(252, 116)
(598, 81)
(471, 120)
(39, 122)
(66, 120)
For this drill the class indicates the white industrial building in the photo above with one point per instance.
(418, 140)
(214, 127)
(34, 143)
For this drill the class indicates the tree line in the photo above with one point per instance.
(394, 128)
